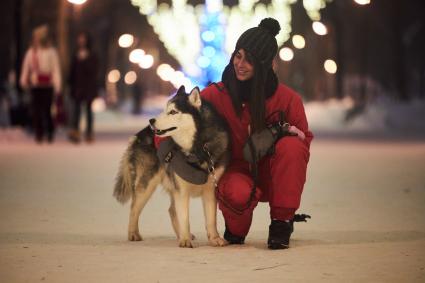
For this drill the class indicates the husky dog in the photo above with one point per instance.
(198, 133)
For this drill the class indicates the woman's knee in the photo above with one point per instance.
(236, 189)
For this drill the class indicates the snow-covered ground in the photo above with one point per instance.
(60, 222)
(383, 117)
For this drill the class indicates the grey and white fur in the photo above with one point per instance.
(191, 122)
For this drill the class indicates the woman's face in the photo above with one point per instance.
(244, 68)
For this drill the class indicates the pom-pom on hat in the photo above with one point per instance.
(260, 41)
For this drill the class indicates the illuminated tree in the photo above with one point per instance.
(217, 26)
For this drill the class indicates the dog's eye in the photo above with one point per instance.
(173, 112)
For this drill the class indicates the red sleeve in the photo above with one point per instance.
(215, 94)
(297, 117)
(208, 93)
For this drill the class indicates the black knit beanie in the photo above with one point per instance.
(260, 41)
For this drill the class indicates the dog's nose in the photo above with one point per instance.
(152, 121)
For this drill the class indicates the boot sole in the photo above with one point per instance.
(276, 246)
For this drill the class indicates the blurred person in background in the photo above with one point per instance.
(4, 117)
(83, 84)
(41, 75)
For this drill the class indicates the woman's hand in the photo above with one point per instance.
(298, 132)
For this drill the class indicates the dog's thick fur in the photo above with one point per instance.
(193, 123)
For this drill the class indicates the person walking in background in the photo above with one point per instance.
(83, 83)
(42, 76)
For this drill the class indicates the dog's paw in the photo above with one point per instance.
(134, 236)
(185, 243)
(218, 242)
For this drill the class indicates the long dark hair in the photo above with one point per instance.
(255, 91)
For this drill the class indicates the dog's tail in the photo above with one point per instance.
(125, 179)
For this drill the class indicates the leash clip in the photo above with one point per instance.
(168, 157)
(283, 124)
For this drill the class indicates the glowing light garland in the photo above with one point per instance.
(313, 8)
(201, 38)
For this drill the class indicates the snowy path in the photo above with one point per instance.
(61, 224)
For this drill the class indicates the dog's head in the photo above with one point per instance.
(178, 120)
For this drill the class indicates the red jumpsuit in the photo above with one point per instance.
(281, 177)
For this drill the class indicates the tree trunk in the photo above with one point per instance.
(63, 38)
(339, 46)
(399, 54)
(18, 43)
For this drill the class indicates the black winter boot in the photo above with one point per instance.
(279, 234)
(233, 239)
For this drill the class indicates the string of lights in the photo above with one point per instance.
(204, 57)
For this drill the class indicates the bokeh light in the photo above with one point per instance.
(208, 36)
(165, 72)
(286, 54)
(298, 41)
(130, 78)
(330, 66)
(362, 2)
(203, 62)
(77, 2)
(146, 62)
(114, 76)
(208, 51)
(98, 105)
(125, 40)
(319, 28)
(177, 78)
(136, 56)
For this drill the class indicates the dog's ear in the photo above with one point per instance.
(181, 90)
(195, 98)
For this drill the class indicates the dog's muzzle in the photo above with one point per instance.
(159, 132)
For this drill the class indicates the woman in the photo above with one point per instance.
(83, 82)
(247, 97)
(41, 74)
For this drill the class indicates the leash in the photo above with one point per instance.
(211, 170)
